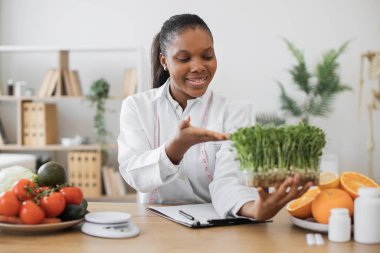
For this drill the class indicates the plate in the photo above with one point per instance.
(310, 224)
(38, 228)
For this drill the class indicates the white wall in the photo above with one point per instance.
(251, 55)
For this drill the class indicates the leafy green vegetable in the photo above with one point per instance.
(9, 176)
(285, 148)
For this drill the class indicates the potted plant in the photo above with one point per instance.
(97, 96)
(319, 88)
(269, 154)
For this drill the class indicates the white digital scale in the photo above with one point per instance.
(109, 225)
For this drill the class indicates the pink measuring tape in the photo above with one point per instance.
(204, 158)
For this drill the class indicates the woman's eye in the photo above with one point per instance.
(208, 57)
(183, 59)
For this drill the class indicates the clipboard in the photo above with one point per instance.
(199, 216)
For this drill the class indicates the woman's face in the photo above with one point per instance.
(191, 62)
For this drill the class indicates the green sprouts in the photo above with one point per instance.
(282, 148)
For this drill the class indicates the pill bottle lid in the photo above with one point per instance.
(369, 192)
(339, 211)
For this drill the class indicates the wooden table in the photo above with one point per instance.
(160, 235)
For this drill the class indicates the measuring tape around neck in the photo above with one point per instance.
(204, 159)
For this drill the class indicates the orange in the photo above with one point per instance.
(301, 207)
(328, 180)
(329, 199)
(352, 181)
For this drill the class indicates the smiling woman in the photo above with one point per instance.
(188, 59)
(171, 159)
(191, 63)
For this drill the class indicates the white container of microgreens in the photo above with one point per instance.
(269, 154)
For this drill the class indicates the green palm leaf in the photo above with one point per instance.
(322, 105)
(288, 103)
(299, 72)
(319, 95)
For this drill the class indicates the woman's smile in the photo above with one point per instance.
(197, 81)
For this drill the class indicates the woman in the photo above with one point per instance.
(172, 142)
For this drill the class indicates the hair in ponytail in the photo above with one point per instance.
(159, 75)
(169, 30)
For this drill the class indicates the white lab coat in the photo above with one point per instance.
(148, 169)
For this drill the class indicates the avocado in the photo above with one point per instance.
(51, 174)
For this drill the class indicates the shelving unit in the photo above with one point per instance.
(19, 100)
(63, 62)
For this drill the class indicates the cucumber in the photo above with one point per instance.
(74, 212)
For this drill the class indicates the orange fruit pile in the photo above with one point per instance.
(332, 192)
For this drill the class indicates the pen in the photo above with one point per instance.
(196, 223)
(186, 215)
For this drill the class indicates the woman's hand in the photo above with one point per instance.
(187, 136)
(269, 204)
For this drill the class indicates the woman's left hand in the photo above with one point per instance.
(269, 204)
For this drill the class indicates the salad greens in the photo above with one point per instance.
(279, 151)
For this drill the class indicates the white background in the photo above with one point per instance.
(251, 55)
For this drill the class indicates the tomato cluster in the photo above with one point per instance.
(33, 204)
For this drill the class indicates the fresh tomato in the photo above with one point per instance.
(25, 189)
(31, 213)
(73, 195)
(53, 204)
(9, 204)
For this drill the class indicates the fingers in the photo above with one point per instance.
(281, 191)
(294, 191)
(185, 123)
(262, 193)
(304, 189)
(294, 188)
(205, 135)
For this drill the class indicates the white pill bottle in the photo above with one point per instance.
(367, 216)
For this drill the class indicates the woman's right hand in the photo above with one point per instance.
(187, 136)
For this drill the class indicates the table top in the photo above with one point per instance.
(161, 235)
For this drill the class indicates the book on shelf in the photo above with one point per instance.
(52, 85)
(67, 85)
(114, 184)
(130, 82)
(45, 83)
(3, 135)
(75, 82)
(60, 83)
(106, 181)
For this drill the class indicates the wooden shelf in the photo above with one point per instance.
(47, 99)
(58, 147)
(58, 49)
